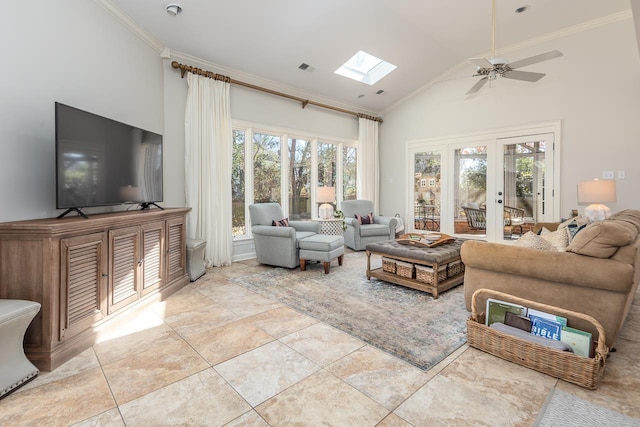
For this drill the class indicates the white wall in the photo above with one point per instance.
(594, 89)
(74, 52)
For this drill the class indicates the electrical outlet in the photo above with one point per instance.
(621, 175)
(607, 174)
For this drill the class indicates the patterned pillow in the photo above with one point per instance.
(533, 241)
(365, 219)
(573, 226)
(281, 223)
(559, 238)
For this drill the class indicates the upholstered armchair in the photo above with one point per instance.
(278, 246)
(358, 235)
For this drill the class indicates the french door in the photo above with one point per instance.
(492, 186)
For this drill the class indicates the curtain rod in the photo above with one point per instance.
(187, 68)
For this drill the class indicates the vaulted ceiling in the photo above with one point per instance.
(423, 38)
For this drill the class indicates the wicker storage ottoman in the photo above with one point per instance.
(405, 269)
(455, 268)
(427, 274)
(583, 371)
(389, 265)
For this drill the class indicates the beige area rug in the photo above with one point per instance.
(409, 324)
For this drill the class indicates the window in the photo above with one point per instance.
(266, 168)
(349, 173)
(238, 184)
(274, 166)
(299, 179)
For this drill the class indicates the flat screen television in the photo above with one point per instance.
(102, 162)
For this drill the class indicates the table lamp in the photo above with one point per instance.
(594, 194)
(325, 196)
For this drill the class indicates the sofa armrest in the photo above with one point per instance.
(559, 267)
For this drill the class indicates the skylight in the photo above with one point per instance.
(365, 68)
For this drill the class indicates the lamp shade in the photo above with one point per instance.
(326, 194)
(596, 191)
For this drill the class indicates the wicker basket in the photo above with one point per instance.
(426, 274)
(404, 269)
(389, 265)
(583, 371)
(455, 268)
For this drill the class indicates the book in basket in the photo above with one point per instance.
(579, 341)
(496, 310)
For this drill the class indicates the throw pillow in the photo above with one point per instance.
(603, 239)
(282, 223)
(559, 239)
(365, 219)
(533, 241)
(573, 226)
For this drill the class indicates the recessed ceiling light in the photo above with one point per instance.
(173, 9)
(522, 9)
(365, 68)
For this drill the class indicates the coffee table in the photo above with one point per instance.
(433, 258)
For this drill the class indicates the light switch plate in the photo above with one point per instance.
(607, 174)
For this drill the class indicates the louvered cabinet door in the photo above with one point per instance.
(124, 267)
(152, 256)
(83, 291)
(176, 249)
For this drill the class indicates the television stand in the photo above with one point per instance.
(78, 210)
(147, 205)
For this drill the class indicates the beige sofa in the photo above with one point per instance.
(598, 274)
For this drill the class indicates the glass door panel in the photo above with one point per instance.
(427, 190)
(470, 187)
(522, 189)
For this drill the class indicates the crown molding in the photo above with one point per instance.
(130, 24)
(259, 81)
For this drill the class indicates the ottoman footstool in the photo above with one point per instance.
(323, 248)
(15, 368)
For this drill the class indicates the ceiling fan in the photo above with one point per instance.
(493, 67)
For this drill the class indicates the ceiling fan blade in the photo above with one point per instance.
(476, 87)
(527, 76)
(535, 59)
(481, 62)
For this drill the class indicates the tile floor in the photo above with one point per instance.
(216, 354)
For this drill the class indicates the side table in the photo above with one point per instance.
(331, 226)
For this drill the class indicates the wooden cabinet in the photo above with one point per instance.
(85, 272)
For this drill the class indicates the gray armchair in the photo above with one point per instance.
(357, 235)
(278, 246)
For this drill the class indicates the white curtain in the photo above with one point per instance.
(368, 175)
(208, 151)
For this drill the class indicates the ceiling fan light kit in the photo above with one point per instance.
(493, 67)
